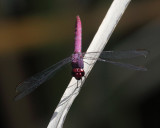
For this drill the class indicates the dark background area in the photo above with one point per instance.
(37, 34)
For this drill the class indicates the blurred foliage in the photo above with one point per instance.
(36, 34)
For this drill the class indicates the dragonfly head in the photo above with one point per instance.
(78, 73)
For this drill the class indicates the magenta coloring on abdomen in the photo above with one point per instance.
(77, 58)
(78, 36)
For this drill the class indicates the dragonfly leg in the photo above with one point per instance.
(77, 84)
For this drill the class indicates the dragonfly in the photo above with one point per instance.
(77, 63)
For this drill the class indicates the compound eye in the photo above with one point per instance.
(75, 72)
(82, 72)
(78, 73)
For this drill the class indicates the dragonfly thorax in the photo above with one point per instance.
(77, 60)
(78, 73)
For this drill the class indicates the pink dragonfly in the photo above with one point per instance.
(77, 63)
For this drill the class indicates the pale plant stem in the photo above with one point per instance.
(97, 45)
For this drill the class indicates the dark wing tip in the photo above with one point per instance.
(20, 87)
(17, 88)
(144, 51)
(16, 98)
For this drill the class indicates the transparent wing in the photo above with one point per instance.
(120, 54)
(35, 81)
(123, 54)
(107, 55)
(130, 66)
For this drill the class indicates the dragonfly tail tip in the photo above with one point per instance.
(78, 17)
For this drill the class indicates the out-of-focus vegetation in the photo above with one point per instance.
(37, 34)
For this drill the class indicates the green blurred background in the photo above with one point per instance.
(36, 34)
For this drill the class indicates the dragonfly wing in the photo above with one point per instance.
(130, 66)
(35, 81)
(123, 54)
(107, 55)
